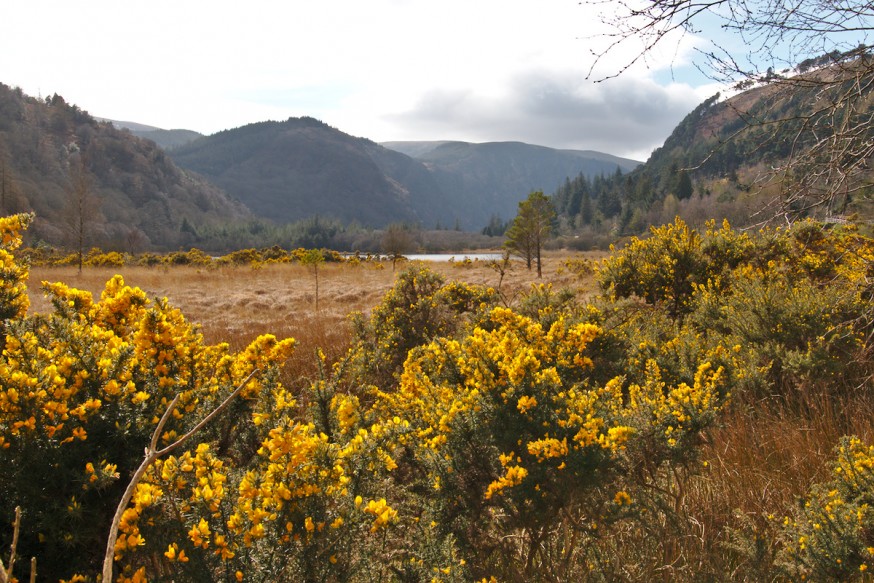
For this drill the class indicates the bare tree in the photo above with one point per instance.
(811, 50)
(396, 241)
(82, 206)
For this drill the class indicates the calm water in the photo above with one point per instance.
(445, 256)
(455, 257)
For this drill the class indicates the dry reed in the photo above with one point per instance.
(235, 304)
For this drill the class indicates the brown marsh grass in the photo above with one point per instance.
(235, 304)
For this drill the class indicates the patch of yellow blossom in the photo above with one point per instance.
(383, 513)
(513, 476)
(145, 496)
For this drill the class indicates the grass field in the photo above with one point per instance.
(235, 304)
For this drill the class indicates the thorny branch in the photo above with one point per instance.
(152, 454)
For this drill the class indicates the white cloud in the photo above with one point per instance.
(483, 70)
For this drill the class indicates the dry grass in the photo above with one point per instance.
(235, 304)
(759, 462)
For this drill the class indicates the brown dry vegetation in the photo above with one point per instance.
(235, 304)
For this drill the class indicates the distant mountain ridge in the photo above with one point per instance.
(425, 150)
(166, 139)
(301, 167)
(490, 178)
(168, 190)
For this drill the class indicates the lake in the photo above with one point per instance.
(455, 257)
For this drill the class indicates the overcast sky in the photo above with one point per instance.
(473, 70)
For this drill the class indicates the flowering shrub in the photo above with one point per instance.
(792, 300)
(417, 309)
(831, 537)
(191, 257)
(82, 390)
(13, 291)
(661, 269)
(511, 436)
(97, 258)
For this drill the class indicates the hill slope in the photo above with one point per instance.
(166, 139)
(301, 167)
(491, 178)
(740, 158)
(137, 197)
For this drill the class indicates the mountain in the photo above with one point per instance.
(802, 142)
(166, 139)
(767, 152)
(491, 178)
(134, 195)
(301, 167)
(433, 151)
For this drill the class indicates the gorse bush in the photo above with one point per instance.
(830, 538)
(512, 437)
(661, 269)
(793, 301)
(419, 308)
(456, 440)
(44, 256)
(82, 390)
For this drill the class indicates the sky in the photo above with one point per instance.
(471, 70)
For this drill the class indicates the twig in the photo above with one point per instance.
(153, 454)
(6, 573)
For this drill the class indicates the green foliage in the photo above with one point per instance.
(531, 228)
(659, 270)
(419, 308)
(829, 538)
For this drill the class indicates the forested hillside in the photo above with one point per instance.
(729, 158)
(85, 177)
(300, 168)
(488, 180)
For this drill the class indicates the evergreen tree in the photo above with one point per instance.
(684, 185)
(587, 211)
(530, 229)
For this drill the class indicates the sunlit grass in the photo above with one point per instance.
(235, 304)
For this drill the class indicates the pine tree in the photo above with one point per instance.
(531, 228)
